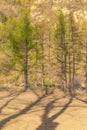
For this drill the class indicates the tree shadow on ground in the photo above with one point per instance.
(3, 97)
(84, 101)
(34, 91)
(13, 96)
(7, 102)
(23, 111)
(48, 122)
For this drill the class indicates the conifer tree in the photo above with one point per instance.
(61, 46)
(20, 37)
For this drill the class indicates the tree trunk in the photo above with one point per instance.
(70, 73)
(26, 68)
(49, 54)
(86, 66)
(65, 70)
(42, 64)
(69, 68)
(73, 54)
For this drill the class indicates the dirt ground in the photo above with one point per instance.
(35, 111)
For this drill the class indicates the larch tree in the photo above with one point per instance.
(61, 46)
(74, 50)
(20, 36)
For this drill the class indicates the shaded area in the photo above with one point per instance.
(23, 111)
(81, 100)
(6, 96)
(34, 91)
(1, 108)
(48, 122)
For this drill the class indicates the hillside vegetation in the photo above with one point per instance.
(43, 43)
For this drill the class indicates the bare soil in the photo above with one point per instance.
(33, 110)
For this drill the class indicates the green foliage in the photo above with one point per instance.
(20, 33)
(17, 35)
(60, 25)
(2, 32)
(60, 37)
